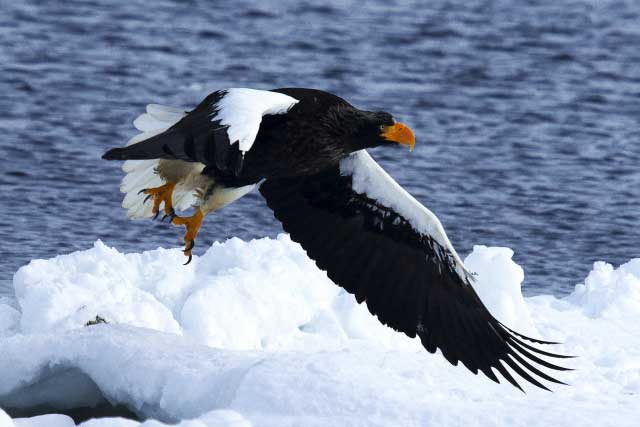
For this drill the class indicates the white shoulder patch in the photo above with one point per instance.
(242, 110)
(369, 178)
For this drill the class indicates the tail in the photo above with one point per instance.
(141, 174)
(167, 145)
(156, 126)
(124, 153)
(192, 137)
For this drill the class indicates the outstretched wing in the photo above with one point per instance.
(217, 132)
(380, 244)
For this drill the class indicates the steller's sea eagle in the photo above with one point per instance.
(306, 150)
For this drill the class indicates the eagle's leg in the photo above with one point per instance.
(192, 223)
(161, 195)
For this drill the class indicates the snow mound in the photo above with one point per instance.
(499, 285)
(252, 333)
(238, 295)
(609, 292)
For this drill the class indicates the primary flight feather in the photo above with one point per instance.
(306, 150)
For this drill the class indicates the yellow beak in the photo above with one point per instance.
(399, 133)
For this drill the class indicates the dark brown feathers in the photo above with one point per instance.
(407, 279)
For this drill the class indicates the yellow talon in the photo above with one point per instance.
(159, 195)
(192, 223)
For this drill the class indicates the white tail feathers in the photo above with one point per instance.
(141, 174)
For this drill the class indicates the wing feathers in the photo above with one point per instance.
(411, 280)
(537, 350)
(216, 133)
(241, 111)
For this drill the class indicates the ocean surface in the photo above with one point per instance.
(527, 115)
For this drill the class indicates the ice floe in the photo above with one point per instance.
(252, 333)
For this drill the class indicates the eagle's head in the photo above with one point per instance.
(367, 129)
(384, 130)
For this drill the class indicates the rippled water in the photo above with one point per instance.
(527, 114)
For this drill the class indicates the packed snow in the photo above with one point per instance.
(253, 334)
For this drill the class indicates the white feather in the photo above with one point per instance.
(222, 196)
(184, 195)
(242, 109)
(141, 174)
(146, 122)
(369, 178)
(165, 114)
(144, 135)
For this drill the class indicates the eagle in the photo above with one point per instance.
(306, 151)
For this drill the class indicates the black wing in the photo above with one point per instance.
(413, 281)
(216, 133)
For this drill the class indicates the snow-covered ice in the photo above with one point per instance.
(252, 333)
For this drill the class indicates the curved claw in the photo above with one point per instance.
(192, 223)
(170, 215)
(156, 215)
(187, 251)
(159, 195)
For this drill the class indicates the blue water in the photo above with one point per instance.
(527, 114)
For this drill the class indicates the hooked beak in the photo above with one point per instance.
(399, 133)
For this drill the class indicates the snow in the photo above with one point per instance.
(610, 293)
(499, 285)
(9, 317)
(50, 420)
(253, 334)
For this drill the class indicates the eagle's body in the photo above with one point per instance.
(306, 150)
